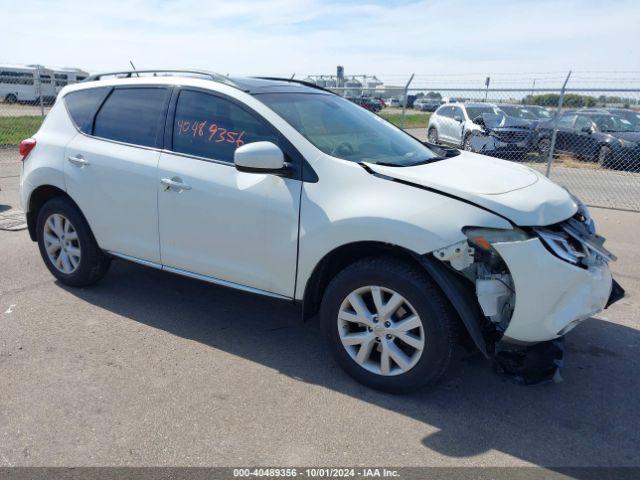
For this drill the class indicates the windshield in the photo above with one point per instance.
(341, 129)
(630, 115)
(541, 113)
(612, 123)
(474, 112)
(518, 112)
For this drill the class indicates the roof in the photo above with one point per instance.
(252, 85)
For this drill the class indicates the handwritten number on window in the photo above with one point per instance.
(216, 133)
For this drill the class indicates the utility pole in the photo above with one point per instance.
(533, 87)
(486, 92)
(404, 103)
(556, 119)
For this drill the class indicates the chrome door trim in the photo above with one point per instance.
(129, 258)
(224, 283)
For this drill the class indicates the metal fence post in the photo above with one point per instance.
(39, 80)
(556, 119)
(404, 101)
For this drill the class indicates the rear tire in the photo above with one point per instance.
(67, 246)
(11, 99)
(387, 362)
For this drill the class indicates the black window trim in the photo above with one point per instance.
(159, 135)
(159, 140)
(93, 117)
(300, 170)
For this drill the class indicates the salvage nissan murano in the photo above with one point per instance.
(400, 249)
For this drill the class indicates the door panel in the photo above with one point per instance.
(234, 226)
(456, 126)
(117, 192)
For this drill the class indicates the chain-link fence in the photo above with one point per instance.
(586, 139)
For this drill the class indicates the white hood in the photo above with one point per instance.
(524, 196)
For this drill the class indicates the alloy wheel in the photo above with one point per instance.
(61, 243)
(381, 331)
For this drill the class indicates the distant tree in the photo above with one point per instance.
(434, 96)
(571, 100)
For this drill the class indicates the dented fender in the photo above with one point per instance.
(461, 294)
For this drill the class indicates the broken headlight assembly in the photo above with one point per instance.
(480, 263)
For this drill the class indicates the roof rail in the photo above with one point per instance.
(301, 82)
(216, 77)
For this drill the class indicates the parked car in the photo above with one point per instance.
(452, 123)
(368, 103)
(393, 102)
(426, 104)
(503, 136)
(610, 140)
(286, 190)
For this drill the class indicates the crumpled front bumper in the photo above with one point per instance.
(552, 295)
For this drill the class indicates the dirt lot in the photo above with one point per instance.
(147, 368)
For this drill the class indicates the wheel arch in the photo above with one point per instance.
(38, 197)
(460, 295)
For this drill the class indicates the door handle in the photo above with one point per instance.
(78, 161)
(174, 183)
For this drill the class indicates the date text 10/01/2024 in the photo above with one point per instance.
(212, 132)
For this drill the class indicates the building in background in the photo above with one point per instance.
(356, 85)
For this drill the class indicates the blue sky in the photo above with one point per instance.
(280, 37)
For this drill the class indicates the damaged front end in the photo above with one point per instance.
(532, 286)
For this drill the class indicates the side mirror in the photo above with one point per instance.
(259, 157)
(587, 130)
(458, 118)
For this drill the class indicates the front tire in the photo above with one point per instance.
(432, 136)
(466, 143)
(543, 147)
(604, 157)
(11, 99)
(67, 245)
(388, 325)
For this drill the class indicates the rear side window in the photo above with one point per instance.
(82, 106)
(212, 127)
(446, 111)
(132, 115)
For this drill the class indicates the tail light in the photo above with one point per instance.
(26, 146)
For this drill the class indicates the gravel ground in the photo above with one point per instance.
(147, 368)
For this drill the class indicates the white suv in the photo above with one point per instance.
(284, 189)
(452, 123)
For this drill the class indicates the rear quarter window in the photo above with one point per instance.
(133, 115)
(82, 106)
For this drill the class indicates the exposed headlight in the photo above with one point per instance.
(485, 237)
(585, 213)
